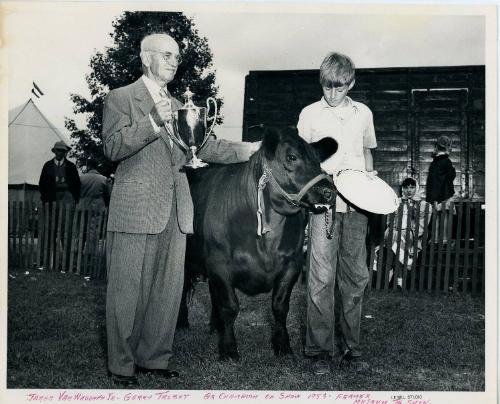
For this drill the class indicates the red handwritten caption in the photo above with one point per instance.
(67, 396)
(167, 395)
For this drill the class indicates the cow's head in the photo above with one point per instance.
(293, 164)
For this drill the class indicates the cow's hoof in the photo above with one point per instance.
(282, 351)
(229, 356)
(182, 324)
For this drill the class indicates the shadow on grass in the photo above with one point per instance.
(56, 339)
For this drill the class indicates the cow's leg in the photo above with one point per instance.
(225, 308)
(282, 290)
(183, 318)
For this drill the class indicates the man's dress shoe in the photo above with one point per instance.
(124, 381)
(166, 373)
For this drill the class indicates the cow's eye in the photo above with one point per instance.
(290, 157)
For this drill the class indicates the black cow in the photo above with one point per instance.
(249, 228)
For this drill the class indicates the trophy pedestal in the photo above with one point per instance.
(195, 161)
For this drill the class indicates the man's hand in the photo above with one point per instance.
(162, 112)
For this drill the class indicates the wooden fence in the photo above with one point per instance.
(56, 237)
(457, 264)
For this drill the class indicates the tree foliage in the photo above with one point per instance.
(120, 64)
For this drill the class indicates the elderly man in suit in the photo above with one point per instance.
(150, 213)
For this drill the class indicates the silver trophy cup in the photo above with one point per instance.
(190, 128)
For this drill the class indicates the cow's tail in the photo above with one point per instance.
(190, 279)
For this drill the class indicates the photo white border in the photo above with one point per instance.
(491, 130)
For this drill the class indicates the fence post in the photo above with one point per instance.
(39, 235)
(81, 214)
(441, 233)
(20, 234)
(87, 230)
(73, 239)
(66, 239)
(380, 258)
(395, 255)
(32, 234)
(457, 246)
(26, 235)
(425, 237)
(431, 252)
(477, 211)
(406, 246)
(388, 244)
(14, 234)
(448, 232)
(52, 238)
(416, 240)
(466, 247)
(58, 238)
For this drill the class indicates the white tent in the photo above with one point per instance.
(31, 138)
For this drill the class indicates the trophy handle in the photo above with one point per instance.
(214, 119)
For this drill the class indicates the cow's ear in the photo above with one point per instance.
(325, 148)
(270, 142)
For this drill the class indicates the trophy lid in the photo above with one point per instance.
(188, 95)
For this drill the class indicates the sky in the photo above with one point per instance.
(52, 43)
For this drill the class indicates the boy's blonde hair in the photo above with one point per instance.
(337, 70)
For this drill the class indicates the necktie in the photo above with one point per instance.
(164, 96)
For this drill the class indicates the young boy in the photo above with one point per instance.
(341, 257)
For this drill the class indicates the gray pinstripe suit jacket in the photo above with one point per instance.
(148, 179)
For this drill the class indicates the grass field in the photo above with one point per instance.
(56, 339)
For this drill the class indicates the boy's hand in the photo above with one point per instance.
(255, 146)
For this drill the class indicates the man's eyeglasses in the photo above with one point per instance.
(169, 57)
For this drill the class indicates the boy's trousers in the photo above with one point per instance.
(343, 259)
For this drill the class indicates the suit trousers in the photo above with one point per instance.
(341, 259)
(145, 281)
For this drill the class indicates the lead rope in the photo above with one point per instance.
(330, 225)
(263, 180)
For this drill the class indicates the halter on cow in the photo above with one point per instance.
(249, 228)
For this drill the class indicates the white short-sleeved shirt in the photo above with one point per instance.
(351, 126)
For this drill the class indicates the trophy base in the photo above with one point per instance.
(195, 162)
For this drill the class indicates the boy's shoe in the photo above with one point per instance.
(354, 363)
(321, 367)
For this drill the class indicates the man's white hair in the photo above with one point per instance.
(148, 41)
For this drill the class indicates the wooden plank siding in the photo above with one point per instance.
(411, 108)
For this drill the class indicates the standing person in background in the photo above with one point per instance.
(94, 197)
(439, 187)
(342, 257)
(150, 213)
(95, 188)
(59, 180)
(60, 183)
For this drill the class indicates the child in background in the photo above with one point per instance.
(439, 187)
(410, 197)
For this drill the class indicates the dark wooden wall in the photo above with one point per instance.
(411, 108)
